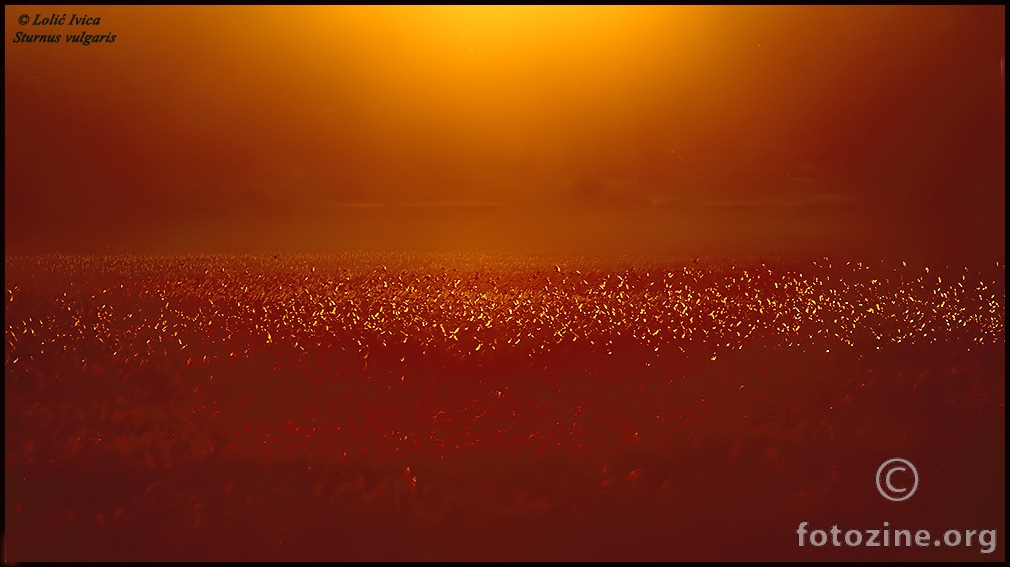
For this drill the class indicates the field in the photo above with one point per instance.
(381, 406)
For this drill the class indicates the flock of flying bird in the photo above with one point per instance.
(402, 359)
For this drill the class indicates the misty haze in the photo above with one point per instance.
(502, 282)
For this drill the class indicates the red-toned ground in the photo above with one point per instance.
(405, 407)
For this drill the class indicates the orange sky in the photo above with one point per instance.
(656, 130)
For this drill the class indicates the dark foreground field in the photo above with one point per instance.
(404, 407)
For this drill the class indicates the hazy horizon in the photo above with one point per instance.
(658, 130)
